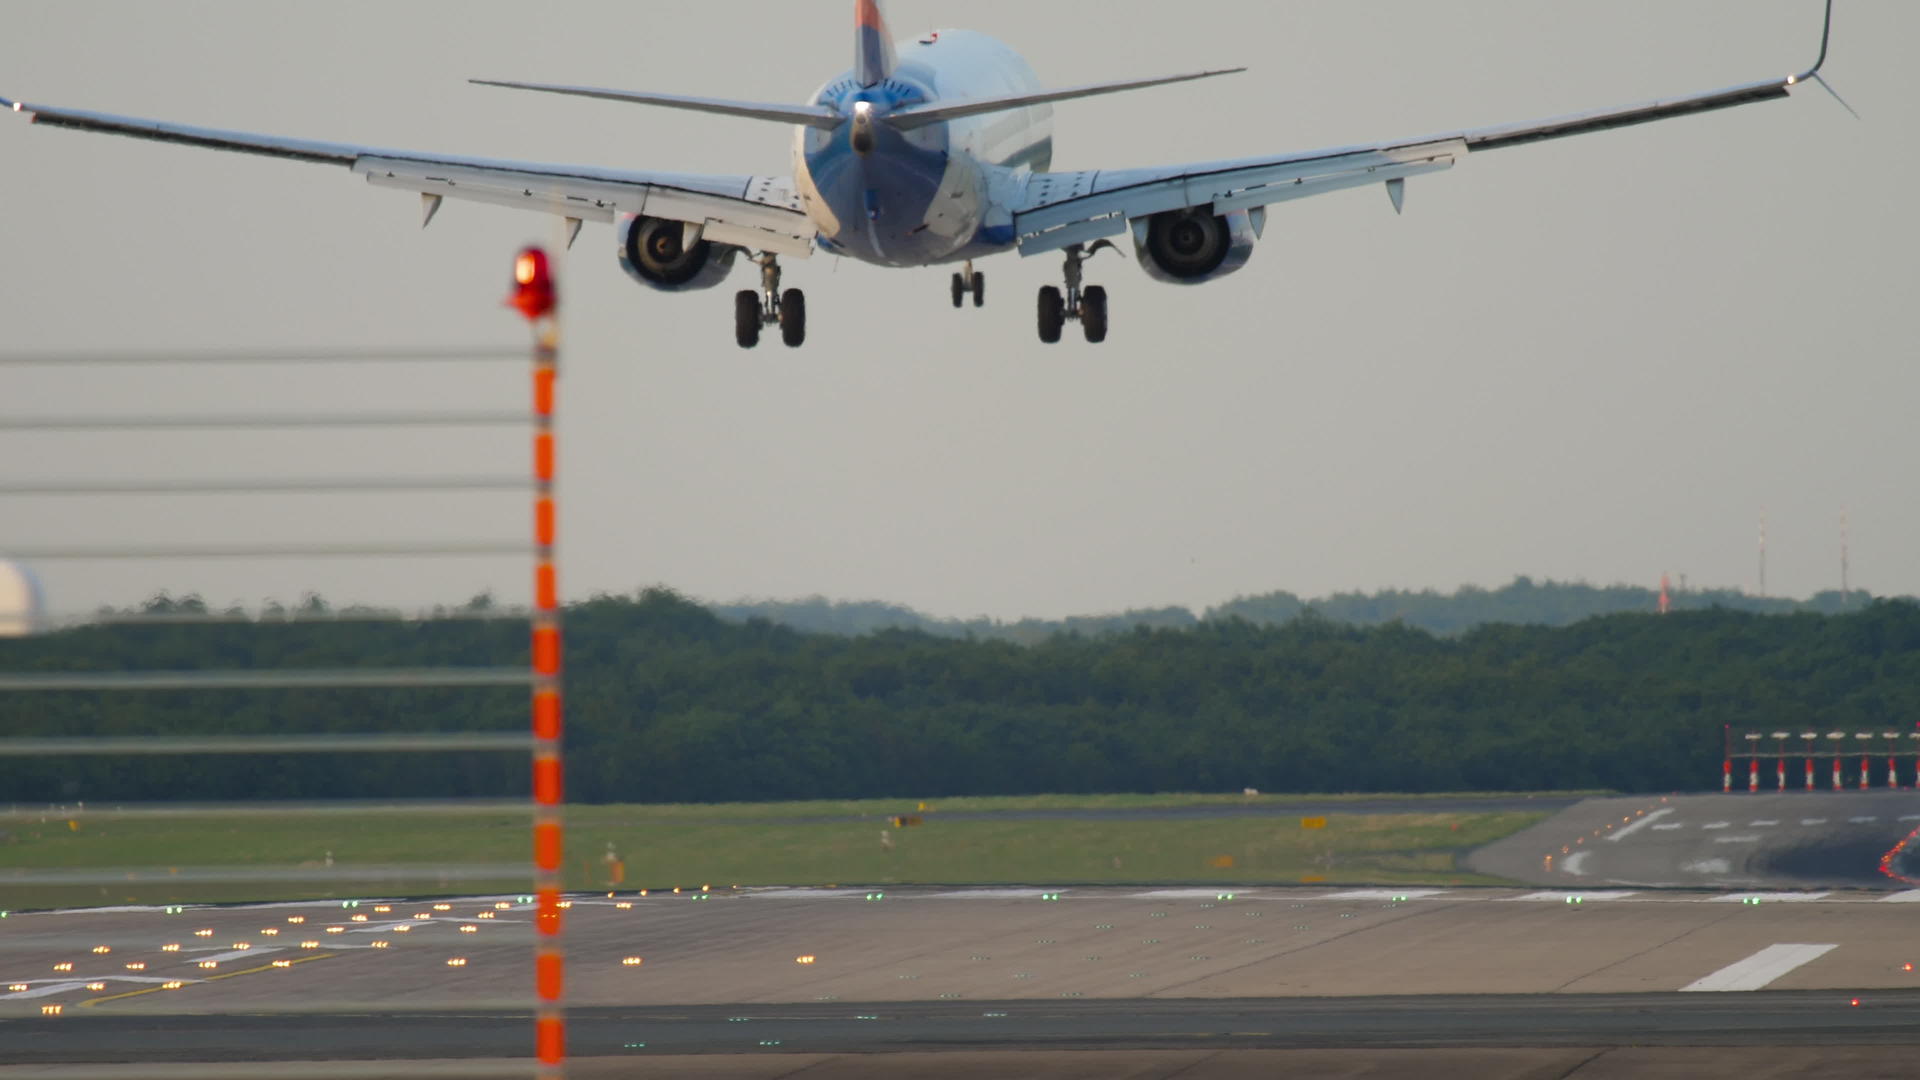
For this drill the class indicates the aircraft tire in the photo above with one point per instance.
(1053, 314)
(746, 318)
(793, 318)
(959, 290)
(1093, 314)
(979, 289)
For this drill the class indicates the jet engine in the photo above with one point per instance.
(1187, 247)
(655, 253)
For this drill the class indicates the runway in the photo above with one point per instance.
(1779, 840)
(1569, 981)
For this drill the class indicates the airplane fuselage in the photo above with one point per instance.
(911, 198)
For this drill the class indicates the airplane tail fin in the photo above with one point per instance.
(873, 58)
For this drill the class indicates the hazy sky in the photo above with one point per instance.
(1597, 358)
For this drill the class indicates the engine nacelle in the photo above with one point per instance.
(1187, 247)
(654, 252)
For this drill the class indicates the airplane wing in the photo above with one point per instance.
(1057, 210)
(761, 213)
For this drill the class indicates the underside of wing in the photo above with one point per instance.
(1057, 210)
(761, 213)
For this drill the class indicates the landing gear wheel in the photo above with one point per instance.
(746, 318)
(1053, 314)
(959, 290)
(979, 291)
(1093, 313)
(793, 318)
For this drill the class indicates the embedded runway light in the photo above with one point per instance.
(359, 918)
(243, 946)
(336, 929)
(203, 933)
(283, 963)
(96, 986)
(383, 908)
(807, 959)
(101, 950)
(624, 905)
(172, 984)
(296, 919)
(469, 928)
(18, 987)
(309, 944)
(500, 906)
(51, 1010)
(421, 915)
(269, 931)
(171, 946)
(383, 944)
(632, 961)
(136, 965)
(456, 961)
(209, 964)
(484, 915)
(443, 907)
(64, 965)
(403, 928)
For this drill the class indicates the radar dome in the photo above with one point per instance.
(21, 606)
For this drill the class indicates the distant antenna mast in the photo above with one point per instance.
(1763, 553)
(1843, 557)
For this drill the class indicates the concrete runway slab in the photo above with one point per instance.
(1777, 840)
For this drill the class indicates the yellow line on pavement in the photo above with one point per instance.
(156, 989)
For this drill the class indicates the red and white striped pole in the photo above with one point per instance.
(1753, 774)
(1780, 771)
(1836, 771)
(1866, 771)
(535, 296)
(1893, 772)
(1726, 775)
(1809, 774)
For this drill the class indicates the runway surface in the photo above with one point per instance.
(1791, 839)
(1552, 982)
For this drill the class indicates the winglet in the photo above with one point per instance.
(873, 57)
(1826, 36)
(6, 103)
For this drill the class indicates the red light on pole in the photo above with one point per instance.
(533, 291)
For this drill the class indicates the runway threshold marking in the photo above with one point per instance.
(1620, 834)
(90, 1002)
(1759, 969)
(1911, 896)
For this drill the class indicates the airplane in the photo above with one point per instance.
(929, 151)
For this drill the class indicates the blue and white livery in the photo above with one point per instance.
(928, 151)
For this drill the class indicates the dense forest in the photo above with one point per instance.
(669, 702)
(1521, 601)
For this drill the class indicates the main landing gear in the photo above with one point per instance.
(769, 307)
(967, 281)
(1088, 306)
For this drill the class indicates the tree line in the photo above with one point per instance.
(668, 702)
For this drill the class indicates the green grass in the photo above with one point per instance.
(744, 844)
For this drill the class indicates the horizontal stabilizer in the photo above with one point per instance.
(938, 112)
(811, 115)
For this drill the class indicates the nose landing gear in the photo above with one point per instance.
(967, 281)
(769, 307)
(1087, 306)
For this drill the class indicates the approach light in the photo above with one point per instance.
(64, 965)
(96, 986)
(533, 292)
(136, 965)
(632, 961)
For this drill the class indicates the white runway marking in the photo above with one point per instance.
(1910, 817)
(1670, 825)
(1911, 896)
(1571, 865)
(1736, 839)
(1562, 896)
(1813, 821)
(1620, 834)
(1175, 894)
(1862, 820)
(1761, 824)
(1708, 866)
(1761, 968)
(236, 954)
(1718, 825)
(1771, 897)
(1381, 894)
